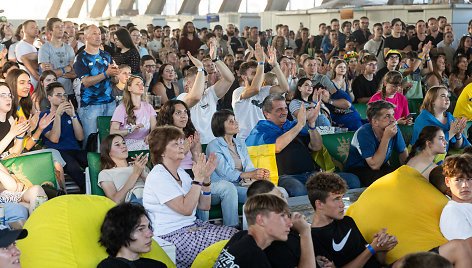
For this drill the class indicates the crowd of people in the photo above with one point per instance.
(232, 117)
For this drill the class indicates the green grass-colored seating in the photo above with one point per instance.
(103, 124)
(338, 147)
(407, 133)
(34, 169)
(414, 105)
(216, 213)
(361, 109)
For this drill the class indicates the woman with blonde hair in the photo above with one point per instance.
(134, 119)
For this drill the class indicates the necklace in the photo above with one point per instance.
(176, 178)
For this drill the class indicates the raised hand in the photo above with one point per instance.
(19, 128)
(139, 162)
(259, 52)
(195, 61)
(299, 223)
(45, 121)
(272, 58)
(213, 49)
(301, 116)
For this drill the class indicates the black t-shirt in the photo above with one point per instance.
(285, 254)
(380, 74)
(438, 39)
(415, 41)
(360, 37)
(112, 262)
(341, 242)
(243, 251)
(363, 88)
(4, 129)
(295, 158)
(396, 43)
(235, 43)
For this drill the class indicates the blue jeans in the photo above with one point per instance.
(228, 195)
(88, 117)
(295, 184)
(14, 212)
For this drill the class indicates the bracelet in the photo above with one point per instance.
(63, 71)
(311, 128)
(35, 140)
(428, 60)
(74, 117)
(369, 247)
(206, 193)
(197, 183)
(201, 70)
(20, 138)
(130, 130)
(260, 63)
(206, 184)
(216, 59)
(420, 58)
(458, 139)
(239, 179)
(331, 102)
(105, 74)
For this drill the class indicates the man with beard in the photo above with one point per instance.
(189, 40)
(235, 43)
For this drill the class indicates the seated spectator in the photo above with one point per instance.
(353, 68)
(325, 192)
(18, 82)
(39, 96)
(340, 76)
(64, 133)
(122, 78)
(148, 66)
(269, 221)
(235, 171)
(165, 86)
(136, 36)
(434, 113)
(176, 113)
(247, 99)
(10, 255)
(292, 145)
(424, 260)
(127, 52)
(126, 233)
(372, 144)
(171, 197)
(203, 100)
(437, 179)
(438, 76)
(459, 77)
(389, 91)
(7, 67)
(365, 85)
(134, 119)
(120, 180)
(304, 94)
(12, 191)
(339, 101)
(431, 142)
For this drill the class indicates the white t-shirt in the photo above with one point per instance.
(23, 48)
(373, 47)
(202, 112)
(456, 220)
(248, 111)
(119, 176)
(159, 188)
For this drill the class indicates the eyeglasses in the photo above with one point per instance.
(60, 95)
(5, 95)
(150, 66)
(372, 64)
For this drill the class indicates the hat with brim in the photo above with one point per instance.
(7, 236)
(393, 52)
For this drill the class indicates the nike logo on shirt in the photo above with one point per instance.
(340, 245)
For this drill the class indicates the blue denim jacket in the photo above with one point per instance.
(225, 170)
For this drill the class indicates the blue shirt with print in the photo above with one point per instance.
(91, 65)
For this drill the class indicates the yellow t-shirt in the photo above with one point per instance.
(464, 103)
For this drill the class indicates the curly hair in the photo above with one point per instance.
(321, 184)
(119, 223)
(457, 165)
(166, 116)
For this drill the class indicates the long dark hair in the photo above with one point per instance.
(457, 59)
(25, 103)
(165, 116)
(120, 221)
(298, 93)
(125, 38)
(461, 47)
(161, 72)
(11, 110)
(426, 134)
(185, 31)
(105, 146)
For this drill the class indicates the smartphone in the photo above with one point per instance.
(412, 115)
(2, 46)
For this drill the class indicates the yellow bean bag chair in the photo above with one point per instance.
(208, 256)
(407, 205)
(64, 232)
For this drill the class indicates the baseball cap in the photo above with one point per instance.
(392, 52)
(7, 236)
